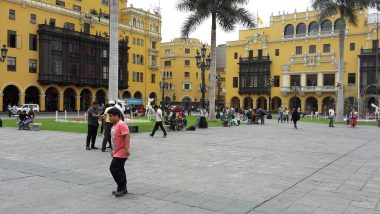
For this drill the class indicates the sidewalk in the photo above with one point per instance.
(248, 169)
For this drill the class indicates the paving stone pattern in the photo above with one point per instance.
(248, 169)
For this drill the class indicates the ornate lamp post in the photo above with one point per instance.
(4, 52)
(296, 89)
(204, 64)
(163, 85)
(269, 84)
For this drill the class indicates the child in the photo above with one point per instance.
(120, 153)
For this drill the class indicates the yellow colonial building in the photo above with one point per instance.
(58, 53)
(293, 62)
(179, 73)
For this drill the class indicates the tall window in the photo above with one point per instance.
(187, 50)
(277, 52)
(69, 26)
(168, 63)
(276, 81)
(235, 55)
(32, 42)
(154, 45)
(153, 78)
(12, 14)
(326, 48)
(187, 74)
(312, 49)
(295, 80)
(77, 7)
(329, 79)
(351, 78)
(32, 66)
(299, 50)
(60, 3)
(11, 66)
(235, 82)
(352, 46)
(105, 70)
(187, 86)
(33, 18)
(12, 39)
(187, 62)
(311, 80)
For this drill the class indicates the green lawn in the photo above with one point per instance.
(52, 125)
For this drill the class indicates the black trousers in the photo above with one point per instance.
(107, 135)
(331, 123)
(295, 123)
(118, 173)
(91, 135)
(158, 124)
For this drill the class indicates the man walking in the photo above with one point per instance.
(295, 117)
(280, 114)
(107, 126)
(92, 125)
(331, 117)
(120, 153)
(158, 121)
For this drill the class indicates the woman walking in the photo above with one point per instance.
(295, 117)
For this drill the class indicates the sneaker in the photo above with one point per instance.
(119, 193)
(103, 150)
(165, 135)
(94, 147)
(88, 148)
(151, 135)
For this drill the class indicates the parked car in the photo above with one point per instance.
(28, 107)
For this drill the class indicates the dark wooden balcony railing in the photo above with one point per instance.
(70, 80)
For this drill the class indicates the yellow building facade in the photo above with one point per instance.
(182, 79)
(298, 56)
(28, 29)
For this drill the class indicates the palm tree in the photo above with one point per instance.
(228, 13)
(346, 10)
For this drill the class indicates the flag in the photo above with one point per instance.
(259, 21)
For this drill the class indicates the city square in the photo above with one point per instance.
(261, 169)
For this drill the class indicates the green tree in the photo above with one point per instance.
(346, 10)
(227, 13)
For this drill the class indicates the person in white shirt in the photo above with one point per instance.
(159, 120)
(331, 117)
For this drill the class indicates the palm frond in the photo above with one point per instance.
(192, 22)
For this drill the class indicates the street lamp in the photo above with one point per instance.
(219, 82)
(270, 84)
(204, 64)
(163, 85)
(4, 52)
(296, 89)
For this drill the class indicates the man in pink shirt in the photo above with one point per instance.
(120, 153)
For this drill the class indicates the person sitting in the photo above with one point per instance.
(29, 119)
(22, 118)
(173, 121)
(180, 123)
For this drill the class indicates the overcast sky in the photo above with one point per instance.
(172, 19)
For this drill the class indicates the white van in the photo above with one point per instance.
(28, 107)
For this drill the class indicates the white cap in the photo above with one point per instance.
(111, 102)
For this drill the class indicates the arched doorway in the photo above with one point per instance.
(311, 105)
(32, 95)
(51, 99)
(235, 103)
(126, 95)
(100, 97)
(276, 103)
(154, 96)
(69, 99)
(327, 103)
(295, 102)
(137, 95)
(248, 103)
(11, 96)
(372, 101)
(261, 103)
(85, 99)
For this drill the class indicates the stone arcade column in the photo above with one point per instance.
(77, 103)
(1, 102)
(113, 80)
(21, 99)
(42, 102)
(60, 102)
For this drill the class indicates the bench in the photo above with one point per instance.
(34, 126)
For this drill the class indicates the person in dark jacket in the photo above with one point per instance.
(295, 117)
(262, 114)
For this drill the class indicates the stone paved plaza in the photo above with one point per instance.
(246, 169)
